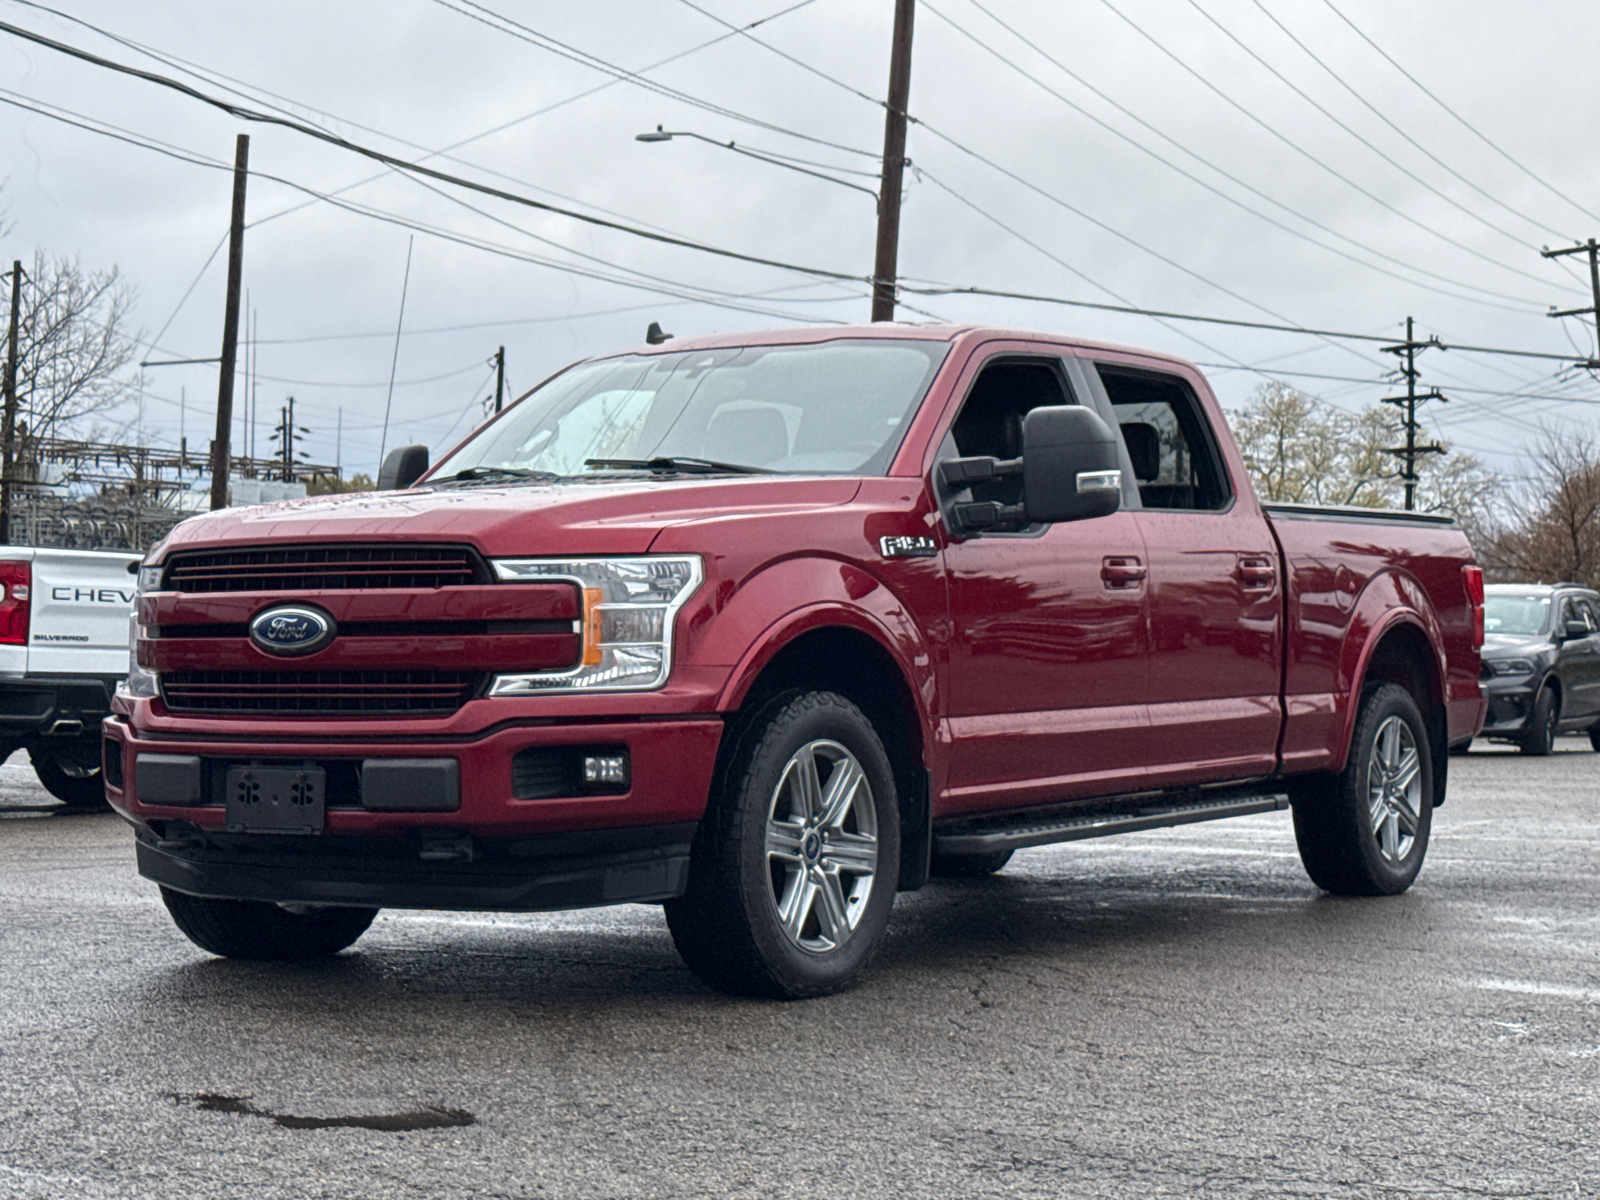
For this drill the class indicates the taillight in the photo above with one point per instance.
(16, 589)
(1472, 578)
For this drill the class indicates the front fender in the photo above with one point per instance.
(791, 598)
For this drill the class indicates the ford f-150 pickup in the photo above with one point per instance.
(766, 627)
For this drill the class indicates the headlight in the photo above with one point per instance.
(1510, 666)
(140, 683)
(629, 605)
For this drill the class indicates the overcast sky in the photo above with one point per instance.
(1150, 160)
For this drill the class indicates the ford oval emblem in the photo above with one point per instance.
(292, 629)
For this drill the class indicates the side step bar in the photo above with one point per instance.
(1028, 829)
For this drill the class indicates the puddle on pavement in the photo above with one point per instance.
(426, 1118)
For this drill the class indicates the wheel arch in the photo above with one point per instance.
(844, 651)
(1405, 650)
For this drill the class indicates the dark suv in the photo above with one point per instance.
(1541, 663)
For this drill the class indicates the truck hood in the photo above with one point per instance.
(610, 516)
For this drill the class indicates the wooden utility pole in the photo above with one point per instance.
(499, 377)
(1410, 451)
(886, 266)
(230, 328)
(8, 424)
(1592, 248)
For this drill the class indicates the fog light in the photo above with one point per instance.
(605, 770)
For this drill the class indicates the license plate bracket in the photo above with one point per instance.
(291, 799)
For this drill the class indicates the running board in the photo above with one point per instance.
(1020, 830)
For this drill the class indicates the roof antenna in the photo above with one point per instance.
(654, 337)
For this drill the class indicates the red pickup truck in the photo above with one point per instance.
(766, 627)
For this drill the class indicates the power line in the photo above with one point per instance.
(1228, 175)
(1377, 112)
(1303, 152)
(248, 114)
(1467, 124)
(545, 42)
(1397, 165)
(711, 297)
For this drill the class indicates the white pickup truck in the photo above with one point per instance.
(63, 648)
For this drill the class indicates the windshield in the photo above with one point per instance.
(1516, 615)
(830, 408)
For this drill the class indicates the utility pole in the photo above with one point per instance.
(8, 423)
(286, 435)
(1592, 249)
(230, 327)
(1410, 451)
(499, 377)
(886, 265)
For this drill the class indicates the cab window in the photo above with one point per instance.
(1175, 461)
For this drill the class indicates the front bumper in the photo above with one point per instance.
(497, 847)
(1509, 707)
(571, 870)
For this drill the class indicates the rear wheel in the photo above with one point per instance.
(254, 929)
(1364, 832)
(796, 862)
(68, 777)
(968, 866)
(1540, 736)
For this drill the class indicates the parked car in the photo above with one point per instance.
(766, 627)
(64, 618)
(1541, 663)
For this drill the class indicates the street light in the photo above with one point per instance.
(666, 135)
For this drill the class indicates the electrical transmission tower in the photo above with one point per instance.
(1592, 249)
(287, 435)
(1412, 450)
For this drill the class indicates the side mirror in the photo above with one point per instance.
(402, 467)
(1576, 629)
(1070, 465)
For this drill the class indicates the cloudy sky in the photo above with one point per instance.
(1328, 164)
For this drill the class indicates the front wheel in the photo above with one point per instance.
(1540, 736)
(254, 929)
(1364, 832)
(795, 865)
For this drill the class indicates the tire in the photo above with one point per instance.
(1540, 736)
(254, 929)
(1594, 736)
(1364, 832)
(795, 865)
(67, 779)
(968, 866)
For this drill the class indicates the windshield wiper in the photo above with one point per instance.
(676, 465)
(475, 473)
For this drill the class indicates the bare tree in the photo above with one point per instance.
(72, 345)
(1300, 450)
(1549, 528)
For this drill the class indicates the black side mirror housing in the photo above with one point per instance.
(1070, 471)
(402, 467)
(1070, 465)
(1575, 629)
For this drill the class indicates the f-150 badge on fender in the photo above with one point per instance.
(907, 547)
(291, 629)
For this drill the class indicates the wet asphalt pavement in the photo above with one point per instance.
(1175, 1013)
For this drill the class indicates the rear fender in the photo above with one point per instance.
(1390, 601)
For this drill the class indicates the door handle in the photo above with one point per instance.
(1257, 574)
(1122, 572)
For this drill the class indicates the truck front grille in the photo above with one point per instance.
(316, 568)
(320, 693)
